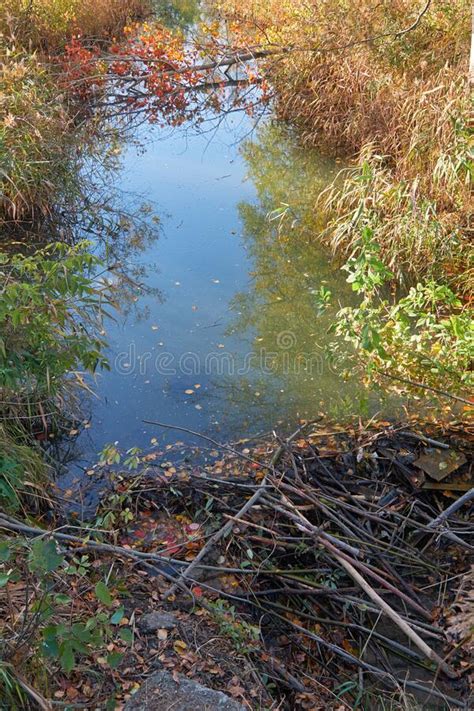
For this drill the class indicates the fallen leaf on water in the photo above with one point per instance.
(189, 391)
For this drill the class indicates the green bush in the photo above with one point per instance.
(51, 311)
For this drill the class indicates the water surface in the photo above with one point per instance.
(228, 337)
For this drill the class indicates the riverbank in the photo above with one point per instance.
(278, 573)
(387, 88)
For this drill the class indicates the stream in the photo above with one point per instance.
(227, 336)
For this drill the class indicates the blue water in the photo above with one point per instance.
(229, 305)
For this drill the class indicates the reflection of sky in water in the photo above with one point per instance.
(228, 284)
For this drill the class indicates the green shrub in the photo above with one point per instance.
(50, 319)
(427, 336)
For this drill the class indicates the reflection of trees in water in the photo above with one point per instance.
(280, 313)
(177, 13)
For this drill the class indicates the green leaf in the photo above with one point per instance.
(117, 616)
(4, 578)
(66, 657)
(5, 552)
(62, 599)
(103, 594)
(44, 557)
(126, 634)
(114, 659)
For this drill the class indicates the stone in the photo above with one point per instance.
(153, 621)
(160, 692)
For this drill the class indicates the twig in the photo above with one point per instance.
(227, 528)
(425, 440)
(464, 499)
(432, 389)
(395, 617)
(219, 445)
(43, 703)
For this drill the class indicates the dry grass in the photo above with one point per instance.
(399, 108)
(39, 137)
(47, 24)
(34, 137)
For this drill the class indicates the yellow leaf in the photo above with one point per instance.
(179, 646)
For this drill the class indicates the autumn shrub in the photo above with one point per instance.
(36, 138)
(401, 98)
(384, 85)
(48, 24)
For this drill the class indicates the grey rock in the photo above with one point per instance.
(153, 621)
(160, 692)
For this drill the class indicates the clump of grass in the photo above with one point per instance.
(23, 471)
(416, 232)
(36, 139)
(398, 108)
(10, 689)
(42, 135)
(48, 24)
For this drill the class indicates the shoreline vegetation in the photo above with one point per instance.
(313, 540)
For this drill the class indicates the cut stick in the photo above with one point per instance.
(395, 617)
(464, 499)
(227, 528)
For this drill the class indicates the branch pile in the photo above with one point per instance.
(336, 545)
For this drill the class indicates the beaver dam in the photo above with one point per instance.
(320, 570)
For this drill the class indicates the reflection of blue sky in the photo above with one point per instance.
(202, 262)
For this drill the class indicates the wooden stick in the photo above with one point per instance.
(395, 617)
(227, 528)
(430, 388)
(464, 499)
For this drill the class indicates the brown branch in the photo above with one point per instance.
(395, 617)
(415, 384)
(227, 528)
